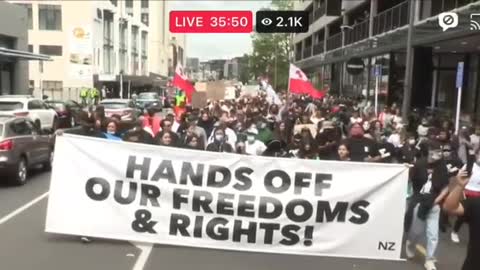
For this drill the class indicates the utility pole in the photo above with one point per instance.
(407, 86)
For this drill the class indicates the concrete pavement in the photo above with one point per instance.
(24, 245)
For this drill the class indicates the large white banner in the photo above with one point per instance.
(163, 195)
(81, 52)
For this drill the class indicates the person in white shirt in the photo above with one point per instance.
(231, 137)
(253, 146)
(356, 118)
(396, 137)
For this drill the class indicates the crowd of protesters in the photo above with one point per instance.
(334, 128)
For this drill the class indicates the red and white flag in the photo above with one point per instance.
(299, 84)
(181, 81)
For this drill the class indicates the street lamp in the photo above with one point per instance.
(173, 43)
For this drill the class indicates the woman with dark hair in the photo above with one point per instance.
(281, 133)
(166, 139)
(193, 142)
(327, 140)
(307, 149)
(112, 131)
(220, 143)
(206, 122)
(343, 152)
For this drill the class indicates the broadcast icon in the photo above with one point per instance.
(474, 22)
(448, 20)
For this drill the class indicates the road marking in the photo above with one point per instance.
(146, 249)
(23, 208)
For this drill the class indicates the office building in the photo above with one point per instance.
(122, 44)
(14, 50)
(352, 50)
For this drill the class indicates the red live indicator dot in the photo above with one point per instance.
(211, 21)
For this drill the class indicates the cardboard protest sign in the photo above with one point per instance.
(298, 128)
(193, 198)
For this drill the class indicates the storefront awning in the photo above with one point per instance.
(23, 55)
(425, 33)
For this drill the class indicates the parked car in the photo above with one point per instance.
(67, 112)
(28, 106)
(126, 108)
(22, 146)
(149, 100)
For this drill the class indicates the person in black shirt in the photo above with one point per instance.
(138, 135)
(470, 210)
(219, 143)
(362, 149)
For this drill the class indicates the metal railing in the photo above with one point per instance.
(359, 31)
(391, 19)
(318, 48)
(307, 52)
(334, 42)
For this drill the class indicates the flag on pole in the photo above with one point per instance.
(272, 97)
(180, 80)
(299, 84)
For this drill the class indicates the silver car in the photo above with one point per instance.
(22, 146)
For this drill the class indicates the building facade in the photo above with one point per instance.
(363, 46)
(14, 50)
(121, 44)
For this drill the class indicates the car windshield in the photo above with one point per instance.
(114, 105)
(148, 96)
(10, 105)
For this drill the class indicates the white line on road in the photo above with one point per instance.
(23, 208)
(146, 249)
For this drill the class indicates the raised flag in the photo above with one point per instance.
(180, 80)
(299, 84)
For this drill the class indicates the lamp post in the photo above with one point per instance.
(407, 85)
(173, 43)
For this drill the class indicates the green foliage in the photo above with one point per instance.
(270, 56)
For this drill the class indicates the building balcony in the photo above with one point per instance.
(359, 31)
(334, 42)
(320, 11)
(391, 19)
(318, 48)
(307, 52)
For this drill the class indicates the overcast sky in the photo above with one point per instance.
(214, 46)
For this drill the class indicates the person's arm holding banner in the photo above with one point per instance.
(452, 204)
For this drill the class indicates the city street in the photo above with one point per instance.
(25, 245)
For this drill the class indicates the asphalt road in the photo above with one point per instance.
(24, 246)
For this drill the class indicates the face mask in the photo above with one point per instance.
(111, 132)
(250, 139)
(263, 125)
(219, 137)
(411, 141)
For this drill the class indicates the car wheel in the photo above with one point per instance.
(20, 176)
(47, 166)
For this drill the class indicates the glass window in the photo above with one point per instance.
(30, 48)
(20, 127)
(29, 13)
(114, 2)
(50, 17)
(129, 3)
(51, 50)
(144, 3)
(10, 105)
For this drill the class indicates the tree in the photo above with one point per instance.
(270, 56)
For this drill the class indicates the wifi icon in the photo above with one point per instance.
(474, 25)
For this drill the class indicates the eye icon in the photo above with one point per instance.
(267, 21)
